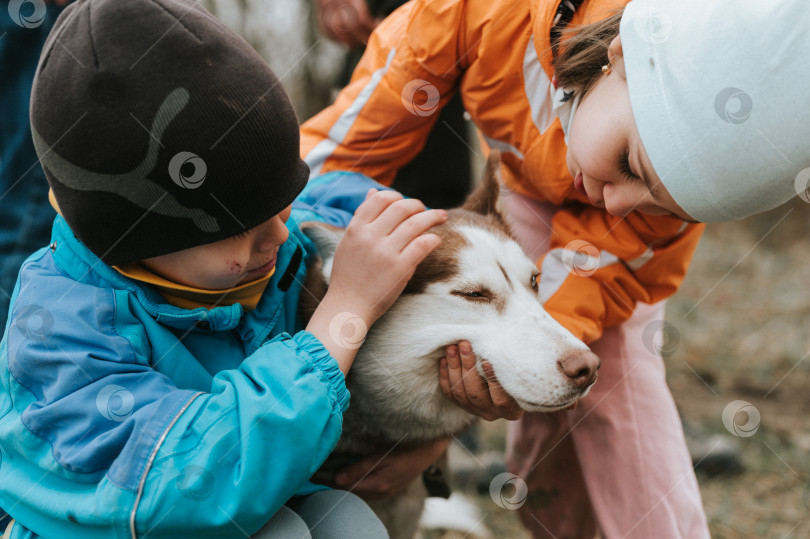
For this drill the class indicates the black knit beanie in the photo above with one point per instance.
(159, 129)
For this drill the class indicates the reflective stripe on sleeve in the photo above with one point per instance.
(559, 263)
(539, 90)
(321, 152)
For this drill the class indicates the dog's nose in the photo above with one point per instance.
(580, 367)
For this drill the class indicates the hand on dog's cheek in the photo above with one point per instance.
(460, 382)
(505, 404)
(380, 476)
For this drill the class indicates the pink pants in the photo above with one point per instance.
(617, 465)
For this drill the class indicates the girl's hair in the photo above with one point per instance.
(584, 50)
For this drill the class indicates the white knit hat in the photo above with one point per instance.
(720, 91)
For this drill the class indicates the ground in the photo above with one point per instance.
(743, 315)
(738, 332)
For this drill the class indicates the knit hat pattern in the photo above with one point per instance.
(159, 129)
(719, 91)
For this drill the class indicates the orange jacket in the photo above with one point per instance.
(497, 54)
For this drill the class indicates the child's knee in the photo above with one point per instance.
(285, 523)
(338, 514)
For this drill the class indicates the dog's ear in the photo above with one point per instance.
(325, 237)
(484, 199)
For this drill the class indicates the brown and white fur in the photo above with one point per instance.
(478, 286)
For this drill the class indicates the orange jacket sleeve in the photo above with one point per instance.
(380, 121)
(600, 265)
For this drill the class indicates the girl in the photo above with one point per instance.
(614, 141)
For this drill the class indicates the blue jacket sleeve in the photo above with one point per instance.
(333, 198)
(97, 443)
(237, 454)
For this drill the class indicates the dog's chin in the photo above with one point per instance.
(562, 404)
(536, 407)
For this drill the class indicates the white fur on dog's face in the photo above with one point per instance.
(477, 286)
(520, 339)
(492, 302)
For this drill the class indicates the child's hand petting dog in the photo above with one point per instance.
(461, 383)
(384, 242)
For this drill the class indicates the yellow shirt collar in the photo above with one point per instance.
(187, 297)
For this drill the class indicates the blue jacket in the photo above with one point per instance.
(121, 414)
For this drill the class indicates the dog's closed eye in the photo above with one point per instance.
(479, 294)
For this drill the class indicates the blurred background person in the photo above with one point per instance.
(25, 213)
(440, 175)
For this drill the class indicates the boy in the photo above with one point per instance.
(149, 384)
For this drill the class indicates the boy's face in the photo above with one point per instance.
(606, 156)
(226, 263)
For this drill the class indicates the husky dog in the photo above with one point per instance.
(477, 286)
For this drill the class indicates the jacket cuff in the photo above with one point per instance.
(323, 363)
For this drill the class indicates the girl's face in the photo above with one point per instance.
(226, 263)
(605, 154)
